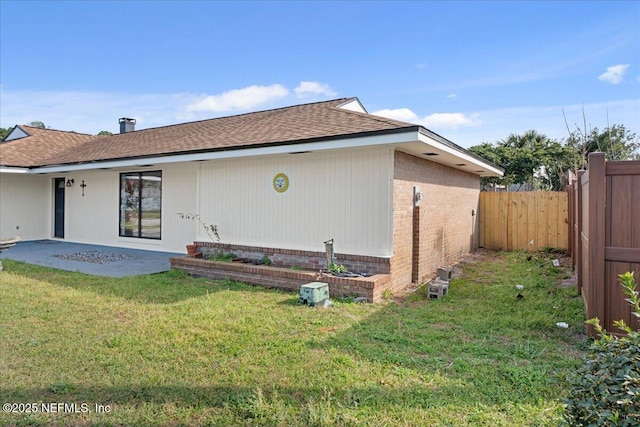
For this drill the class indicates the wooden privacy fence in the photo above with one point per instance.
(528, 221)
(605, 241)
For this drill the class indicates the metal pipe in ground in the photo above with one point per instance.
(328, 247)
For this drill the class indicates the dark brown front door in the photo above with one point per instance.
(58, 227)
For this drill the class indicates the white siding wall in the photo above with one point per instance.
(179, 194)
(25, 206)
(345, 195)
(94, 218)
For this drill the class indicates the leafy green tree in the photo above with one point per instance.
(104, 133)
(494, 154)
(4, 132)
(522, 156)
(530, 159)
(615, 141)
(37, 124)
(558, 159)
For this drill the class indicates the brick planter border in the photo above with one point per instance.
(371, 288)
(308, 260)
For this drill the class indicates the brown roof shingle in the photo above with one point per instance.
(39, 148)
(321, 120)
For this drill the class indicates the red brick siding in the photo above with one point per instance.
(447, 229)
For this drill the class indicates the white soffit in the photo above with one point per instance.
(435, 151)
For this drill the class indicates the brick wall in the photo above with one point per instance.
(444, 222)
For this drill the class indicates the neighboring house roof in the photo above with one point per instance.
(307, 123)
(36, 147)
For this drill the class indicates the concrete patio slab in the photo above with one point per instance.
(97, 260)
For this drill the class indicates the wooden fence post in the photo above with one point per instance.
(571, 217)
(579, 226)
(597, 195)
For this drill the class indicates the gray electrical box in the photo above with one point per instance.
(314, 293)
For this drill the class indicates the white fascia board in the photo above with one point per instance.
(461, 155)
(13, 170)
(356, 142)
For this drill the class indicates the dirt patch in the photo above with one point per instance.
(479, 256)
(570, 279)
(456, 272)
(440, 326)
(413, 289)
(569, 283)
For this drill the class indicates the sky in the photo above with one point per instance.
(472, 72)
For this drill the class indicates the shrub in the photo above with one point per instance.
(605, 390)
(337, 268)
(210, 229)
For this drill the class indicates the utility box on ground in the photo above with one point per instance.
(314, 293)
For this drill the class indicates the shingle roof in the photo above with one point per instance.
(40, 147)
(321, 120)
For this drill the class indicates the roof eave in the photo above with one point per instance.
(391, 137)
(324, 139)
(414, 139)
(494, 170)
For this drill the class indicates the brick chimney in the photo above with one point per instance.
(127, 125)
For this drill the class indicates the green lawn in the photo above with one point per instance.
(168, 349)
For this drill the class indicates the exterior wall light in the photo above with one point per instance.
(70, 182)
(417, 196)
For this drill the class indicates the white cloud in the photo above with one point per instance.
(421, 66)
(307, 89)
(614, 74)
(89, 112)
(240, 99)
(402, 114)
(452, 96)
(495, 125)
(435, 120)
(450, 120)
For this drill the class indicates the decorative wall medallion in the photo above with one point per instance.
(280, 182)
